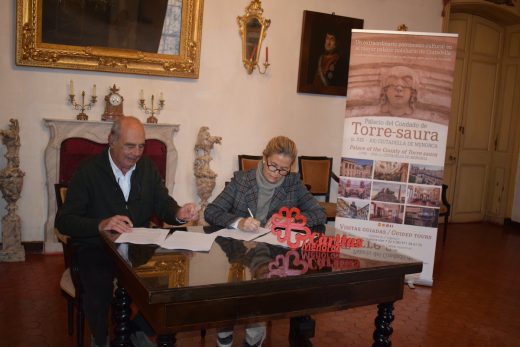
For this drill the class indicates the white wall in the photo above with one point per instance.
(246, 110)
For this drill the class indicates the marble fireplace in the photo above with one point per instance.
(96, 132)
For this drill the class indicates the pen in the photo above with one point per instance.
(169, 233)
(250, 213)
(174, 229)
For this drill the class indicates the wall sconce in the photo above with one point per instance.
(252, 31)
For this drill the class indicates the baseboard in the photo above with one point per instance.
(33, 247)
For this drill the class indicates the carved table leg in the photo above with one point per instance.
(383, 323)
(166, 340)
(121, 316)
(301, 329)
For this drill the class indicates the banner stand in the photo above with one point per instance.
(395, 134)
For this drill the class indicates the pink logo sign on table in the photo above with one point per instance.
(395, 132)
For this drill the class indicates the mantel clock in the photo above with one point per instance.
(113, 105)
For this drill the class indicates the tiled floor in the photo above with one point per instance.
(474, 301)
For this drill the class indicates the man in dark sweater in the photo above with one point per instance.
(116, 190)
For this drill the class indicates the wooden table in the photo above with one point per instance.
(241, 282)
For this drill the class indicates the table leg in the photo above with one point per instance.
(121, 317)
(166, 340)
(301, 329)
(383, 323)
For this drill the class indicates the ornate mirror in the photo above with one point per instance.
(252, 31)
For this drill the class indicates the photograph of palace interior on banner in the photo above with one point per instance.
(396, 126)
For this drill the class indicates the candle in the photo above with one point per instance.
(253, 53)
(141, 95)
(71, 87)
(94, 90)
(161, 97)
(266, 54)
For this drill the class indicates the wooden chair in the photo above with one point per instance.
(70, 282)
(247, 162)
(445, 211)
(316, 173)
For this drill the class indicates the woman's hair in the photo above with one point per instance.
(281, 145)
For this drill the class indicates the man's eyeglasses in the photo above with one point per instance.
(274, 168)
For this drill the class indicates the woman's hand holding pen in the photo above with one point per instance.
(118, 223)
(249, 224)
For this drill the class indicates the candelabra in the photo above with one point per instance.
(82, 107)
(152, 110)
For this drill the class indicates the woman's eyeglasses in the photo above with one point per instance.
(274, 168)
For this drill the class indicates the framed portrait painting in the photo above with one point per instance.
(152, 37)
(324, 53)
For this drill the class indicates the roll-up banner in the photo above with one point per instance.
(395, 132)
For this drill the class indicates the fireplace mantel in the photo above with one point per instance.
(97, 131)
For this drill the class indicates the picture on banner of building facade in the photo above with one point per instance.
(391, 171)
(353, 208)
(353, 167)
(423, 195)
(421, 216)
(354, 188)
(389, 192)
(426, 174)
(386, 212)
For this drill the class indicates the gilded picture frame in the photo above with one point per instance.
(49, 35)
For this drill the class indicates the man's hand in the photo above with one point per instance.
(249, 224)
(121, 224)
(188, 212)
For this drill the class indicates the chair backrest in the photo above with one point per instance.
(316, 173)
(247, 162)
(446, 208)
(75, 150)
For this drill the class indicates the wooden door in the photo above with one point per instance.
(471, 137)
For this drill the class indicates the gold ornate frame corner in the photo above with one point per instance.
(31, 51)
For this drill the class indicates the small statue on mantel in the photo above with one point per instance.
(204, 176)
(11, 182)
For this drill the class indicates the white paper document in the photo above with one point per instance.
(238, 234)
(143, 236)
(271, 239)
(189, 240)
(193, 241)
